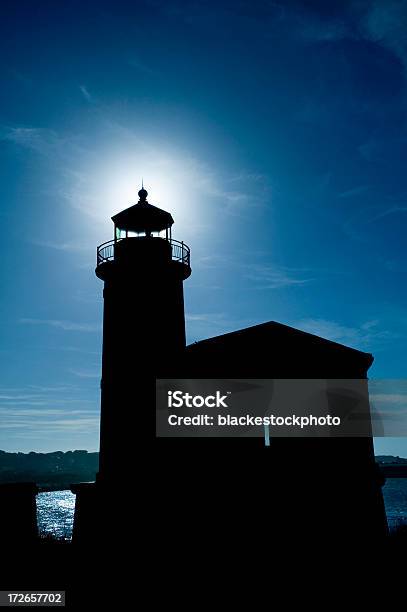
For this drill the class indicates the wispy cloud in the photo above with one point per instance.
(259, 275)
(39, 411)
(391, 210)
(381, 22)
(384, 24)
(350, 193)
(85, 373)
(209, 261)
(389, 398)
(211, 317)
(9, 401)
(273, 277)
(53, 388)
(72, 247)
(44, 423)
(357, 225)
(85, 93)
(366, 336)
(61, 324)
(61, 149)
(141, 66)
(239, 193)
(76, 349)
(39, 140)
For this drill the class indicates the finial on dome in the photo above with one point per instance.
(143, 193)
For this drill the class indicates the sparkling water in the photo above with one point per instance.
(55, 509)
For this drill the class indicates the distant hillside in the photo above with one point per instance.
(59, 470)
(49, 470)
(390, 460)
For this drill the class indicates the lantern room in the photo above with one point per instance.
(142, 235)
(142, 220)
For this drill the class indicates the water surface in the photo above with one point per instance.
(55, 509)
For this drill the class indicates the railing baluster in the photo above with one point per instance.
(179, 251)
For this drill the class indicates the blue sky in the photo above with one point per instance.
(276, 135)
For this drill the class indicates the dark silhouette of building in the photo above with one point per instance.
(143, 269)
(18, 514)
(206, 494)
(325, 490)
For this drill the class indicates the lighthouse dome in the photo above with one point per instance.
(143, 217)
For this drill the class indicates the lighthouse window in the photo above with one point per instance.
(120, 233)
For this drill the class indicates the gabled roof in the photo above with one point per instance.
(278, 349)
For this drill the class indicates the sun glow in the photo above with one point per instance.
(109, 182)
(113, 185)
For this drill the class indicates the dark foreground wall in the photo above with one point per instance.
(18, 514)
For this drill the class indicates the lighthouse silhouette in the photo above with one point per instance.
(143, 269)
(312, 486)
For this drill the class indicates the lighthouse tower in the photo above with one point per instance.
(143, 269)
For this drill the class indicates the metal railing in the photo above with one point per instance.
(105, 252)
(179, 251)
